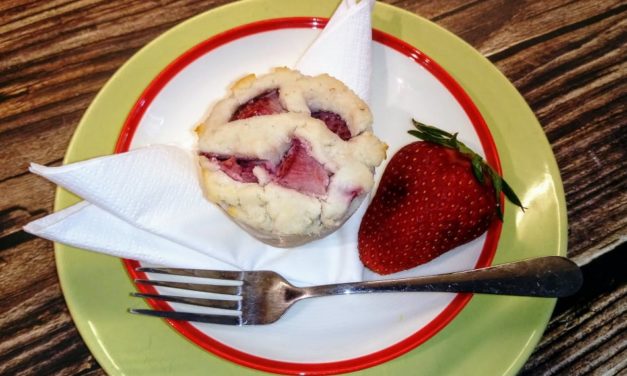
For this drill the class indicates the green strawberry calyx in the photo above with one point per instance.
(479, 166)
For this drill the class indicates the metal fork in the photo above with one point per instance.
(264, 296)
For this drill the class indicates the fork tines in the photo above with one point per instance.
(211, 303)
(212, 274)
(229, 291)
(190, 316)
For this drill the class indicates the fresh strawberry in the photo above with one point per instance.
(433, 197)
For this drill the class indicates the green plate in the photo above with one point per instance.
(493, 335)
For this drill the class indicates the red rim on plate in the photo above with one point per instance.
(347, 365)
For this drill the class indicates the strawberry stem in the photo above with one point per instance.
(479, 166)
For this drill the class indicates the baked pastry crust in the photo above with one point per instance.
(263, 205)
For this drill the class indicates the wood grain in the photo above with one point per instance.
(565, 57)
(585, 65)
(588, 332)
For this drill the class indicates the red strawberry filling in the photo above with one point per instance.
(267, 103)
(240, 169)
(300, 171)
(334, 122)
(297, 170)
(354, 193)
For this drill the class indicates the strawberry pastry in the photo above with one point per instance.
(289, 157)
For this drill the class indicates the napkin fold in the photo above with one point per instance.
(344, 48)
(148, 205)
(88, 227)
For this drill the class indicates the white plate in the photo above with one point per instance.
(335, 328)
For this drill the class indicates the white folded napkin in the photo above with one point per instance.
(343, 49)
(147, 204)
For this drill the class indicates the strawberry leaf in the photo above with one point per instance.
(509, 193)
(425, 136)
(497, 183)
(430, 129)
(479, 166)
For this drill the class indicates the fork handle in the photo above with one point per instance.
(551, 276)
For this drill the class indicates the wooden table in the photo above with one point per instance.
(565, 57)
